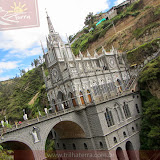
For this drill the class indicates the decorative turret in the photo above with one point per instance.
(103, 50)
(42, 48)
(50, 26)
(95, 54)
(88, 54)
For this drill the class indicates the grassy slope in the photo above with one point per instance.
(137, 24)
(16, 95)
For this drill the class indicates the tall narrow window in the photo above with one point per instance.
(64, 146)
(109, 118)
(89, 96)
(115, 140)
(137, 108)
(101, 145)
(74, 146)
(82, 98)
(85, 146)
(57, 145)
(126, 110)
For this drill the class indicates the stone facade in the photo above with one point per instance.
(94, 106)
(96, 87)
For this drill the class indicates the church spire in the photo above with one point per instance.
(50, 26)
(42, 48)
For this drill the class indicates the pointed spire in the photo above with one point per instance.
(103, 50)
(88, 54)
(95, 53)
(42, 48)
(50, 26)
(80, 54)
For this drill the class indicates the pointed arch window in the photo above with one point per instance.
(109, 118)
(82, 98)
(89, 96)
(72, 99)
(126, 110)
(115, 140)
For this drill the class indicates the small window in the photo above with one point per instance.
(115, 140)
(57, 145)
(74, 146)
(101, 145)
(137, 96)
(137, 108)
(85, 146)
(64, 146)
(133, 130)
(124, 134)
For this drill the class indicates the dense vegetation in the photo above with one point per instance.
(16, 94)
(82, 43)
(150, 127)
(140, 53)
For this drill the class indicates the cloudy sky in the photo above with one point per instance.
(19, 47)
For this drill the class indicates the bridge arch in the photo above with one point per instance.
(65, 129)
(22, 150)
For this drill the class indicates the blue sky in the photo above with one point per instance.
(18, 48)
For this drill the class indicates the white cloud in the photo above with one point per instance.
(118, 2)
(8, 65)
(67, 17)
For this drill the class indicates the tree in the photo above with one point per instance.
(36, 62)
(6, 126)
(89, 20)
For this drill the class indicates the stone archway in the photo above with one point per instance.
(65, 130)
(63, 133)
(119, 154)
(20, 149)
(130, 151)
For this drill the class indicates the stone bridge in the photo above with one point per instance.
(61, 122)
(69, 123)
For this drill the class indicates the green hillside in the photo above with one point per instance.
(16, 94)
